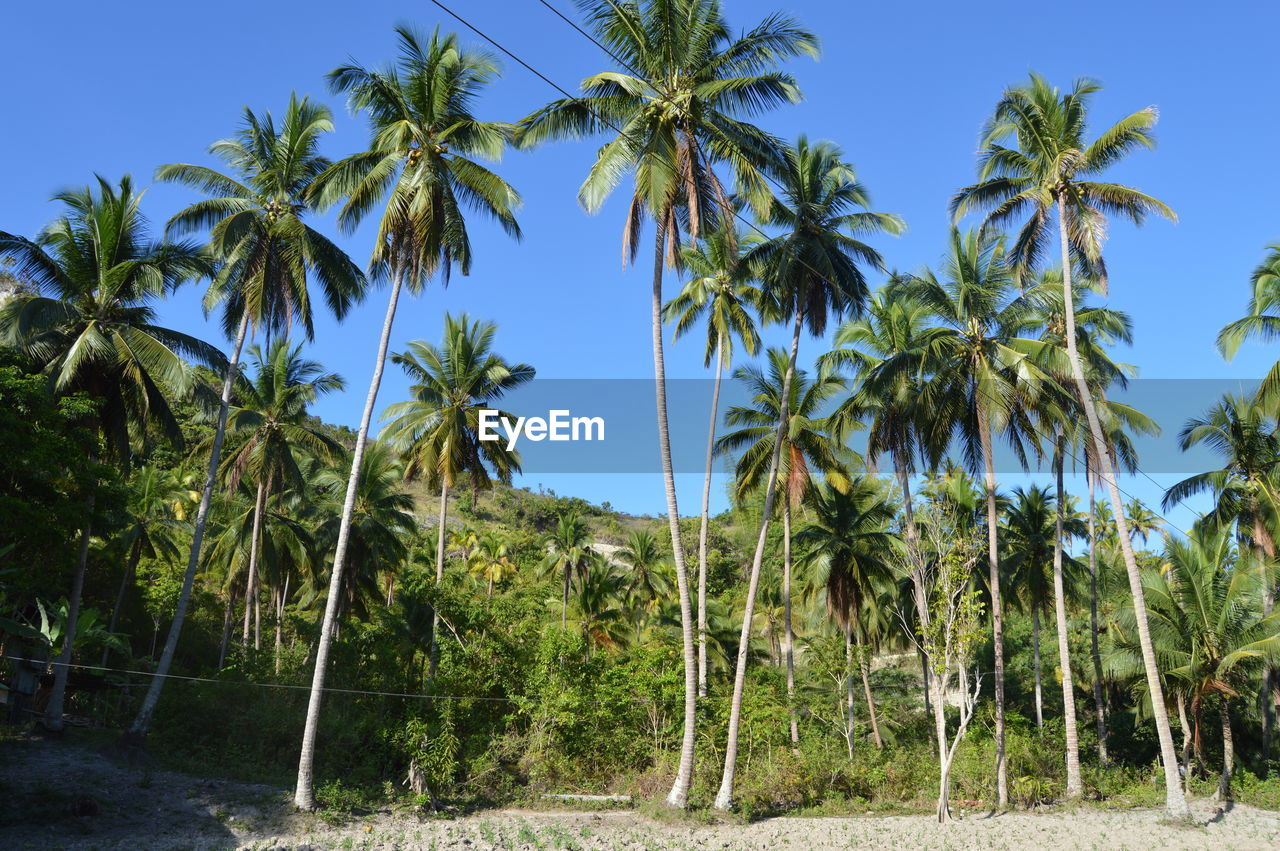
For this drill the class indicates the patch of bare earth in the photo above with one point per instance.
(59, 795)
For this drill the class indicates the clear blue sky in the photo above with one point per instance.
(903, 87)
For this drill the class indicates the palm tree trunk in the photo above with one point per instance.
(52, 720)
(1228, 755)
(679, 794)
(1098, 704)
(1175, 800)
(702, 528)
(865, 667)
(1075, 786)
(1186, 735)
(435, 613)
(1035, 665)
(724, 797)
(130, 571)
(564, 599)
(304, 796)
(226, 630)
(1264, 550)
(251, 582)
(142, 722)
(280, 604)
(997, 611)
(788, 637)
(848, 688)
(918, 592)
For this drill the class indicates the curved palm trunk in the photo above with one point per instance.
(1075, 786)
(997, 611)
(1035, 666)
(1228, 755)
(679, 794)
(865, 667)
(130, 571)
(1098, 704)
(702, 528)
(788, 636)
(435, 613)
(303, 796)
(62, 668)
(724, 797)
(142, 722)
(1175, 800)
(251, 582)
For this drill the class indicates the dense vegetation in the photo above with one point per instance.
(874, 623)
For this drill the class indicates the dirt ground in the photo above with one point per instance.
(61, 795)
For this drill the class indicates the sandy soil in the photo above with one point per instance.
(59, 795)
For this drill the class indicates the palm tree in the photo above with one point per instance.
(721, 289)
(647, 572)
(438, 430)
(421, 160)
(676, 107)
(984, 379)
(850, 543)
(1034, 566)
(86, 319)
(809, 445)
(1261, 321)
(569, 553)
(1050, 166)
(1245, 491)
(492, 560)
(152, 532)
(1208, 631)
(269, 425)
(268, 257)
(811, 271)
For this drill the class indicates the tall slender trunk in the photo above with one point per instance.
(130, 571)
(564, 598)
(251, 582)
(226, 629)
(918, 592)
(788, 636)
(1099, 705)
(679, 794)
(62, 668)
(1035, 666)
(435, 612)
(1265, 551)
(706, 519)
(142, 722)
(280, 604)
(1075, 786)
(1175, 800)
(997, 610)
(304, 796)
(1228, 755)
(724, 797)
(848, 687)
(1186, 735)
(865, 666)
(944, 759)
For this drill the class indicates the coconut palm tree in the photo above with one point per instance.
(808, 446)
(721, 289)
(269, 426)
(492, 560)
(1261, 321)
(421, 166)
(646, 571)
(811, 271)
(984, 379)
(1052, 165)
(438, 430)
(1209, 633)
(850, 545)
(676, 106)
(269, 258)
(1246, 493)
(86, 318)
(569, 554)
